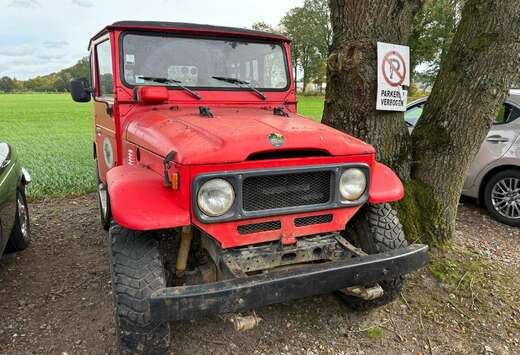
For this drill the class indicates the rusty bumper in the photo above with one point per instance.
(198, 301)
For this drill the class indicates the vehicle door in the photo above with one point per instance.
(7, 194)
(103, 76)
(498, 141)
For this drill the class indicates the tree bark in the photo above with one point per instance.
(352, 74)
(474, 78)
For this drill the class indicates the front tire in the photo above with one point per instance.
(21, 234)
(376, 229)
(502, 197)
(137, 271)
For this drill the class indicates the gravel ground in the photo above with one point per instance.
(55, 297)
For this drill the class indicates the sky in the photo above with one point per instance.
(38, 37)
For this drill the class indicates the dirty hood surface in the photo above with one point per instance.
(232, 135)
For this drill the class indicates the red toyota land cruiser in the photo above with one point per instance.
(218, 196)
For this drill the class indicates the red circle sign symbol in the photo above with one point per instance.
(394, 68)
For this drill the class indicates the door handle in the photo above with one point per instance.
(497, 139)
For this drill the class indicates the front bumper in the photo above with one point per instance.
(198, 301)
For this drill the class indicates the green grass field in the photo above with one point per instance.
(311, 106)
(53, 136)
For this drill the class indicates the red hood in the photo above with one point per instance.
(232, 135)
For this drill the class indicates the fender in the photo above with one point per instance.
(385, 186)
(139, 201)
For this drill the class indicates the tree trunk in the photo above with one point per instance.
(474, 78)
(350, 100)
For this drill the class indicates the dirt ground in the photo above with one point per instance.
(55, 298)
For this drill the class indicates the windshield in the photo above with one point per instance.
(194, 62)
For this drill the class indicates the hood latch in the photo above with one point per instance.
(167, 163)
(205, 111)
(279, 111)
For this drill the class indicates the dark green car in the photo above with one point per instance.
(15, 231)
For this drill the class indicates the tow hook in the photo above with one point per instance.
(243, 323)
(362, 292)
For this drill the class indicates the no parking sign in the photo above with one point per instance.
(393, 73)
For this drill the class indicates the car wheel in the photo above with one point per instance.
(105, 211)
(21, 234)
(137, 271)
(376, 229)
(502, 197)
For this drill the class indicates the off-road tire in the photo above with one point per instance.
(104, 216)
(510, 173)
(20, 240)
(137, 271)
(376, 229)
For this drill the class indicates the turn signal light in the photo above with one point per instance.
(175, 181)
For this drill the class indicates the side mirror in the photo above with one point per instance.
(80, 90)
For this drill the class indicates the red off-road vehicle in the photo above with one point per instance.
(219, 197)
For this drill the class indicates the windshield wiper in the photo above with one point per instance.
(176, 83)
(240, 82)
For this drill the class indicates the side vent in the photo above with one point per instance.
(259, 227)
(308, 221)
(288, 154)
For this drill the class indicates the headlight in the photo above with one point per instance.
(215, 197)
(352, 184)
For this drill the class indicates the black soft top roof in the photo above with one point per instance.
(188, 28)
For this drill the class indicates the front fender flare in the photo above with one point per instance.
(385, 185)
(139, 201)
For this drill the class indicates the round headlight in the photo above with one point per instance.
(352, 184)
(215, 197)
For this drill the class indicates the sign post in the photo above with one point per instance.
(393, 73)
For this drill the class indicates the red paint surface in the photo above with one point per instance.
(150, 95)
(385, 186)
(139, 201)
(233, 134)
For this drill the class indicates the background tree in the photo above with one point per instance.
(432, 32)
(7, 84)
(474, 77)
(262, 26)
(309, 28)
(57, 82)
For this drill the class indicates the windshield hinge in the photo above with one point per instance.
(205, 111)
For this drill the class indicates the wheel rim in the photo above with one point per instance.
(23, 217)
(505, 197)
(103, 198)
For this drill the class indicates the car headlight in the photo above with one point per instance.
(215, 197)
(352, 184)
